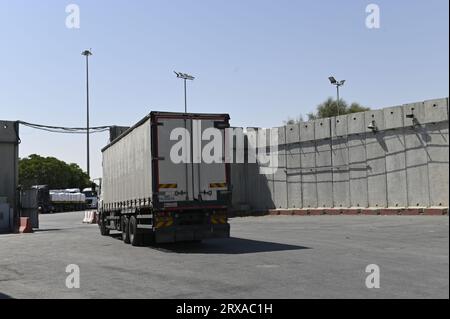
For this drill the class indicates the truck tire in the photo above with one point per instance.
(103, 230)
(125, 229)
(135, 236)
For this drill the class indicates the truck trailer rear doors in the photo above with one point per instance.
(182, 174)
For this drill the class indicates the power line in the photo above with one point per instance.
(65, 130)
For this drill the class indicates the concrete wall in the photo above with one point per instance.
(341, 162)
(9, 136)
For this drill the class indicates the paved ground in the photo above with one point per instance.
(268, 257)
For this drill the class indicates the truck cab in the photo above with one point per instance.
(91, 198)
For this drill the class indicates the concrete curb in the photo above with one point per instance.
(347, 212)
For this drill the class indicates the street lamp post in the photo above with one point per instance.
(338, 84)
(87, 54)
(184, 77)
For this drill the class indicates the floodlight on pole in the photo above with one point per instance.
(338, 84)
(87, 54)
(184, 77)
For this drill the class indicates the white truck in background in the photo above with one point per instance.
(91, 198)
(146, 194)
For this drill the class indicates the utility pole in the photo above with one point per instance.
(184, 77)
(338, 84)
(87, 53)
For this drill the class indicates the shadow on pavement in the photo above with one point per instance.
(226, 246)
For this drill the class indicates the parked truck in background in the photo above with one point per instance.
(41, 199)
(66, 200)
(145, 194)
(91, 198)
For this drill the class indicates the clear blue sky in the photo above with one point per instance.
(261, 61)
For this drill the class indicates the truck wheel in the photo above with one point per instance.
(125, 230)
(135, 236)
(102, 224)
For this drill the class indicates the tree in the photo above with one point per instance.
(291, 121)
(38, 170)
(329, 108)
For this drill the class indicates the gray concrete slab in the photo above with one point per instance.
(393, 117)
(268, 257)
(417, 167)
(339, 126)
(293, 174)
(358, 170)
(356, 123)
(324, 173)
(396, 168)
(280, 174)
(341, 173)
(436, 110)
(437, 149)
(376, 169)
(309, 176)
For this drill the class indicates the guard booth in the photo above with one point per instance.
(9, 175)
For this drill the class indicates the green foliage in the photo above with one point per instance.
(291, 121)
(38, 170)
(329, 108)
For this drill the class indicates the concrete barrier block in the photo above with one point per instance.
(307, 131)
(341, 174)
(376, 169)
(280, 187)
(416, 167)
(357, 170)
(436, 110)
(396, 168)
(438, 163)
(417, 110)
(308, 174)
(293, 166)
(339, 126)
(356, 123)
(322, 128)
(393, 117)
(280, 167)
(324, 175)
(375, 117)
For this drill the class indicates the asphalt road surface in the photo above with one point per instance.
(267, 257)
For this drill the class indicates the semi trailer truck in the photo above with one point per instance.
(45, 200)
(156, 185)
